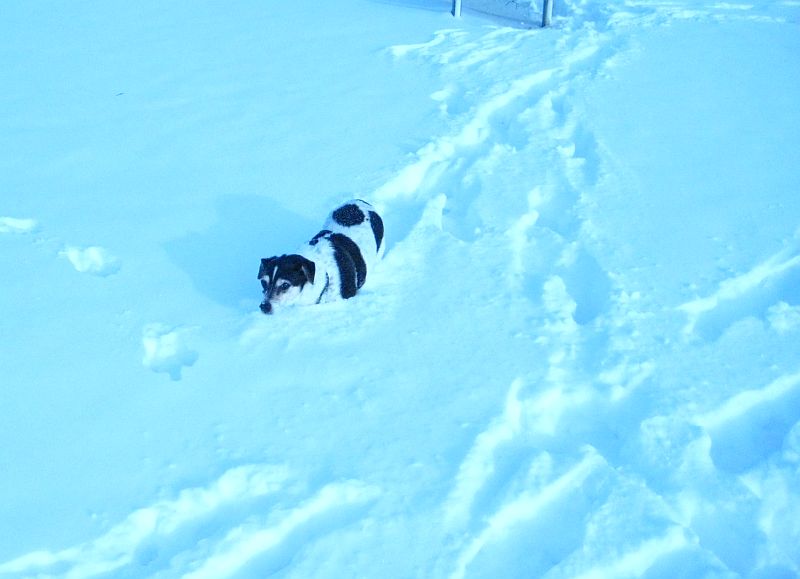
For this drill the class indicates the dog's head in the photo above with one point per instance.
(283, 279)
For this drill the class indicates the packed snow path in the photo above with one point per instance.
(578, 358)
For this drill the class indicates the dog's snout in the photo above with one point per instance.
(266, 307)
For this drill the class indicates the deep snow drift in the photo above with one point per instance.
(578, 358)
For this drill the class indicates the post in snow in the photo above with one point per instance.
(547, 13)
(457, 8)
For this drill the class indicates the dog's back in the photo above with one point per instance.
(359, 221)
(355, 234)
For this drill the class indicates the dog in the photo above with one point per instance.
(333, 265)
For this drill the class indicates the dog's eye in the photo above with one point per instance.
(264, 285)
(284, 286)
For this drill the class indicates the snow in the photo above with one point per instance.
(578, 357)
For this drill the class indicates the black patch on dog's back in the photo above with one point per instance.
(349, 215)
(376, 223)
(347, 273)
(351, 264)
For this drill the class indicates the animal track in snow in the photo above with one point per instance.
(501, 129)
(587, 283)
(165, 350)
(94, 260)
(435, 157)
(506, 128)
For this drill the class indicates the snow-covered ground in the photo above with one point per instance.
(579, 357)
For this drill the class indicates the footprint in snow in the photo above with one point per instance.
(165, 350)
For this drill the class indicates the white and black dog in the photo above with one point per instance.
(332, 266)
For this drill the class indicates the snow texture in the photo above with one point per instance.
(577, 358)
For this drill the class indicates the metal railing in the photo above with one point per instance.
(547, 11)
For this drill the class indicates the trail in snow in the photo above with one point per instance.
(594, 424)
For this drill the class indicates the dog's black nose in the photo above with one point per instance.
(266, 307)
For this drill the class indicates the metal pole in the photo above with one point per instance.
(547, 13)
(457, 8)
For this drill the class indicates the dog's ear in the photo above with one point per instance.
(309, 269)
(305, 265)
(266, 266)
